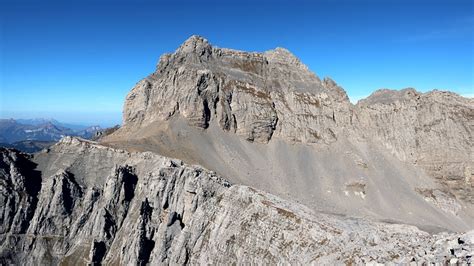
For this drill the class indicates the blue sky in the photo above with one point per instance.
(76, 60)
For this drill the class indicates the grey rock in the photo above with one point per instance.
(266, 121)
(255, 95)
(147, 209)
(19, 188)
(433, 130)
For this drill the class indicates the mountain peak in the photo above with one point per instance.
(195, 39)
(384, 96)
(248, 93)
(283, 55)
(195, 44)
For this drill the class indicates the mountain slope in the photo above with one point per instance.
(264, 120)
(157, 210)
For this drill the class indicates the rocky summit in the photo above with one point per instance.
(233, 157)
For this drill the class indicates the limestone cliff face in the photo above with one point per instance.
(255, 95)
(272, 95)
(19, 187)
(433, 130)
(95, 204)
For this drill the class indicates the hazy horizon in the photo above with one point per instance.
(76, 61)
(84, 119)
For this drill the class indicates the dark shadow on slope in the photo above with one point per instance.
(129, 179)
(98, 252)
(71, 192)
(32, 186)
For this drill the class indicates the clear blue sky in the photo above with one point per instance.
(76, 60)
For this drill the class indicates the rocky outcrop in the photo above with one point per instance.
(433, 130)
(255, 95)
(142, 208)
(19, 188)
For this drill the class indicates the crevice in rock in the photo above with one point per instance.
(94, 196)
(146, 210)
(32, 186)
(70, 192)
(206, 114)
(146, 247)
(275, 122)
(129, 180)
(202, 84)
(110, 226)
(175, 217)
(218, 89)
(235, 122)
(146, 244)
(126, 183)
(98, 252)
(227, 120)
(216, 100)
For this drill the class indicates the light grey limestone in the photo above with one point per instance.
(255, 95)
(143, 208)
(433, 130)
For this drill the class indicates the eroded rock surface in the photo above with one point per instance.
(433, 130)
(255, 95)
(142, 208)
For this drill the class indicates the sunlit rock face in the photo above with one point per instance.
(433, 130)
(256, 95)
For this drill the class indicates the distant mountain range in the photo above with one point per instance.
(34, 134)
(42, 121)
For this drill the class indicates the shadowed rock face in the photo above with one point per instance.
(20, 185)
(142, 208)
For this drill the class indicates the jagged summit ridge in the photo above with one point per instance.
(284, 56)
(201, 47)
(255, 95)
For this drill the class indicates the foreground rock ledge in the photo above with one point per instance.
(87, 203)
